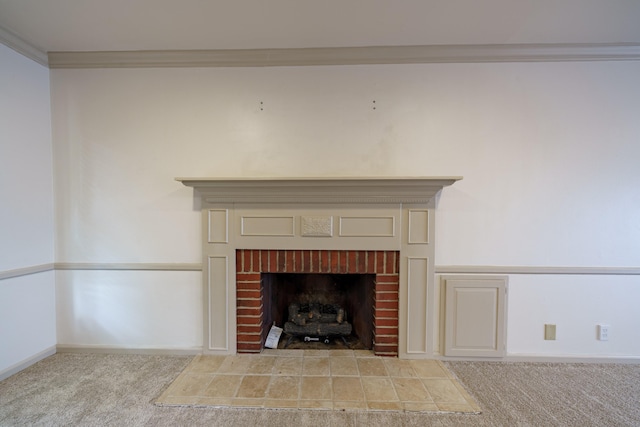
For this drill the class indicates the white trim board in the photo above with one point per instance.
(104, 349)
(23, 47)
(439, 269)
(14, 369)
(365, 55)
(562, 270)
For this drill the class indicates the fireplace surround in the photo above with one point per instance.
(380, 226)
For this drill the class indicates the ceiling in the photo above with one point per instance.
(129, 25)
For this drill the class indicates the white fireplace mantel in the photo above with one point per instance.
(320, 214)
(319, 190)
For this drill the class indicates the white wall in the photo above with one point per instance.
(27, 303)
(548, 152)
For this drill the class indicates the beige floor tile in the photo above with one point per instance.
(443, 390)
(347, 389)
(206, 364)
(348, 405)
(420, 406)
(235, 365)
(284, 388)
(428, 369)
(248, 403)
(214, 401)
(455, 407)
(315, 388)
(411, 390)
(261, 365)
(319, 379)
(372, 367)
(385, 406)
(223, 386)
(378, 389)
(341, 366)
(288, 366)
(341, 353)
(316, 353)
(281, 403)
(253, 386)
(315, 366)
(399, 368)
(315, 404)
(192, 384)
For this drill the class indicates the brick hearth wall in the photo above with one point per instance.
(250, 263)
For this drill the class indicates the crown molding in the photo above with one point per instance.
(23, 47)
(318, 190)
(348, 56)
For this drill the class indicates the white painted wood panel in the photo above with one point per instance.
(418, 226)
(219, 302)
(267, 226)
(416, 314)
(367, 226)
(475, 316)
(218, 222)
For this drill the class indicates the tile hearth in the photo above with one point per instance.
(319, 379)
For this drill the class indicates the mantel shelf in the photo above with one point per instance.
(319, 190)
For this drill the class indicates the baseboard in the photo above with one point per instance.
(14, 369)
(534, 358)
(100, 349)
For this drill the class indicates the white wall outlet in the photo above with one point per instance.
(603, 332)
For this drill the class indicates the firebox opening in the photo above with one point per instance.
(354, 293)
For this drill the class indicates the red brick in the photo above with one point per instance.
(239, 266)
(386, 339)
(250, 329)
(386, 296)
(252, 311)
(380, 262)
(387, 287)
(298, 261)
(264, 261)
(273, 262)
(247, 264)
(386, 321)
(385, 314)
(387, 278)
(249, 320)
(248, 293)
(288, 267)
(247, 303)
(352, 262)
(249, 347)
(342, 266)
(390, 331)
(385, 350)
(249, 337)
(248, 286)
(387, 304)
(247, 277)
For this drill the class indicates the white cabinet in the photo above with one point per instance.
(475, 315)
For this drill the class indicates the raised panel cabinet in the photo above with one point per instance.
(475, 316)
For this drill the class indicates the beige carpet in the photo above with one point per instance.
(351, 380)
(69, 389)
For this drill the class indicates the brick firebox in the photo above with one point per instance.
(251, 263)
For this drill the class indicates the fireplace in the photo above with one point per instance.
(378, 230)
(365, 283)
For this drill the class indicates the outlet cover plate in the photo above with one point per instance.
(549, 332)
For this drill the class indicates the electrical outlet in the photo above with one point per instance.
(603, 332)
(549, 332)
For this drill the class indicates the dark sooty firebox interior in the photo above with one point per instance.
(353, 292)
